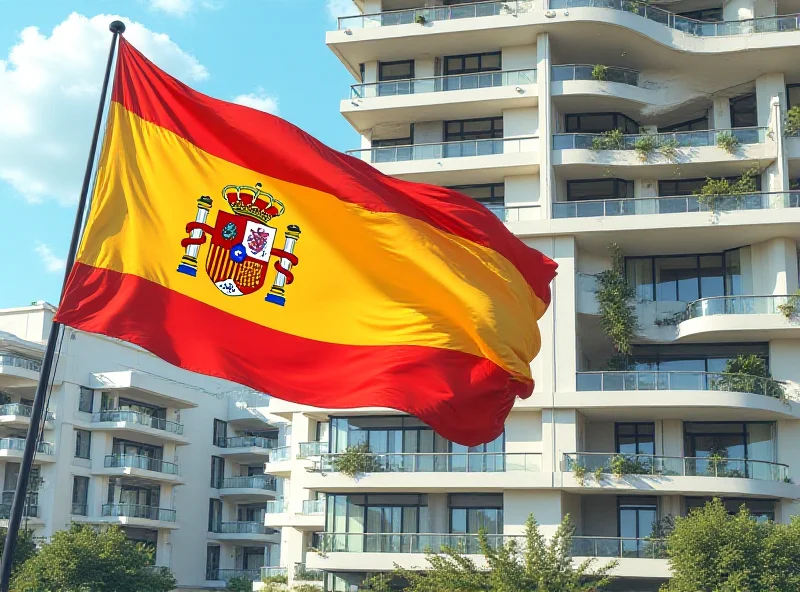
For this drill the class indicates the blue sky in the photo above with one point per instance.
(270, 54)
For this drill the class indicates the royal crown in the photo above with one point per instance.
(252, 202)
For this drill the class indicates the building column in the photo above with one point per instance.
(721, 113)
(543, 68)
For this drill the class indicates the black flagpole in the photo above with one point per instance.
(20, 495)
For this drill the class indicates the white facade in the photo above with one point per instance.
(130, 441)
(708, 283)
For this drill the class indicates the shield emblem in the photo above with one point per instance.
(238, 256)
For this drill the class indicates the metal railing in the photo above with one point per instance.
(147, 463)
(247, 442)
(769, 24)
(676, 466)
(436, 462)
(276, 507)
(279, 453)
(243, 528)
(139, 511)
(334, 542)
(590, 546)
(79, 509)
(675, 205)
(680, 381)
(303, 574)
(265, 482)
(19, 444)
(436, 150)
(309, 449)
(31, 507)
(413, 86)
(223, 575)
(313, 507)
(271, 572)
(439, 13)
(16, 361)
(693, 139)
(515, 213)
(566, 72)
(29, 511)
(21, 410)
(733, 305)
(136, 417)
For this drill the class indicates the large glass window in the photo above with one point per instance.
(214, 515)
(709, 15)
(592, 189)
(131, 448)
(636, 517)
(677, 187)
(80, 495)
(85, 399)
(597, 123)
(217, 471)
(792, 95)
(491, 195)
(472, 513)
(212, 562)
(83, 443)
(135, 495)
(473, 129)
(685, 278)
(400, 70)
(473, 63)
(712, 357)
(220, 432)
(761, 510)
(701, 123)
(744, 111)
(635, 438)
(732, 443)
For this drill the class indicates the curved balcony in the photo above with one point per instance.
(570, 72)
(280, 461)
(13, 448)
(144, 467)
(255, 488)
(271, 572)
(245, 532)
(153, 429)
(16, 370)
(304, 574)
(246, 449)
(433, 84)
(439, 13)
(311, 516)
(139, 515)
(18, 415)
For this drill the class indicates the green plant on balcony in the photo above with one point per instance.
(645, 145)
(598, 474)
(791, 307)
(305, 588)
(355, 460)
(748, 374)
(420, 20)
(610, 140)
(668, 148)
(728, 142)
(276, 579)
(622, 464)
(793, 121)
(580, 473)
(599, 72)
(714, 190)
(615, 303)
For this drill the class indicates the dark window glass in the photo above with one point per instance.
(701, 123)
(743, 111)
(220, 432)
(395, 70)
(473, 129)
(596, 123)
(712, 357)
(472, 63)
(635, 438)
(217, 471)
(730, 440)
(212, 562)
(692, 186)
(214, 515)
(85, 399)
(391, 142)
(83, 443)
(80, 495)
(591, 189)
(636, 517)
(709, 15)
(792, 95)
(120, 446)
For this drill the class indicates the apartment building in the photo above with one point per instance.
(515, 103)
(174, 458)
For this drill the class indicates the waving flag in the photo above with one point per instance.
(230, 243)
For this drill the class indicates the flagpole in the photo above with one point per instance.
(20, 494)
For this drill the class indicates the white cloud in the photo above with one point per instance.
(49, 88)
(259, 100)
(52, 264)
(172, 7)
(337, 8)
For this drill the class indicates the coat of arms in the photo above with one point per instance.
(242, 243)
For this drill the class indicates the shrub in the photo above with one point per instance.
(610, 140)
(728, 142)
(614, 299)
(791, 307)
(355, 460)
(793, 120)
(645, 145)
(599, 72)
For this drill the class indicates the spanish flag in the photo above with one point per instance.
(230, 243)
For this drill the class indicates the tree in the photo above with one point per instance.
(239, 584)
(87, 559)
(24, 550)
(713, 551)
(534, 565)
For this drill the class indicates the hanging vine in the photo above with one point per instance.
(617, 313)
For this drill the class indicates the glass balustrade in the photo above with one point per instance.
(472, 462)
(139, 511)
(147, 463)
(310, 449)
(281, 453)
(247, 442)
(19, 444)
(137, 418)
(443, 83)
(439, 13)
(406, 542)
(265, 482)
(311, 507)
(567, 72)
(487, 147)
(694, 139)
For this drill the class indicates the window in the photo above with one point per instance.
(692, 186)
(135, 495)
(760, 510)
(85, 400)
(220, 432)
(402, 70)
(469, 514)
(591, 189)
(212, 562)
(743, 111)
(130, 448)
(472, 64)
(636, 517)
(596, 123)
(792, 95)
(709, 15)
(712, 357)
(83, 443)
(699, 124)
(254, 557)
(250, 513)
(217, 471)
(635, 438)
(473, 129)
(214, 515)
(734, 441)
(80, 495)
(389, 142)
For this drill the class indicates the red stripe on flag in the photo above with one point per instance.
(465, 398)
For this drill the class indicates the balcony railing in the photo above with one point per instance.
(15, 361)
(415, 86)
(733, 305)
(29, 511)
(276, 507)
(281, 453)
(79, 509)
(272, 572)
(138, 511)
(689, 26)
(244, 528)
(695, 139)
(584, 72)
(135, 417)
(31, 507)
(303, 574)
(674, 205)
(440, 13)
(589, 546)
(434, 462)
(312, 507)
(19, 444)
(247, 442)
(487, 147)
(333, 542)
(223, 575)
(680, 381)
(309, 449)
(265, 482)
(21, 410)
(675, 466)
(132, 461)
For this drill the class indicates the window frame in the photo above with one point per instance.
(615, 122)
(635, 435)
(75, 489)
(675, 126)
(213, 505)
(459, 136)
(618, 184)
(80, 436)
(220, 426)
(733, 111)
(217, 461)
(789, 95)
(396, 78)
(493, 199)
(465, 70)
(84, 390)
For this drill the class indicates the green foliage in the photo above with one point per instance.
(714, 189)
(24, 549)
(379, 582)
(276, 579)
(621, 464)
(793, 120)
(711, 550)
(305, 588)
(728, 142)
(273, 587)
(599, 72)
(645, 145)
(791, 307)
(598, 474)
(610, 140)
(355, 460)
(239, 584)
(668, 147)
(614, 299)
(580, 473)
(87, 559)
(748, 374)
(535, 565)
(421, 20)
